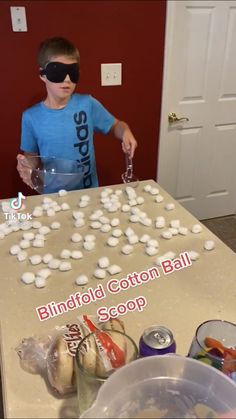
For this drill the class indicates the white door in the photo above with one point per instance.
(197, 158)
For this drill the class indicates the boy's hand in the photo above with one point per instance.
(122, 131)
(24, 170)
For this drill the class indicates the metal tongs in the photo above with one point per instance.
(128, 176)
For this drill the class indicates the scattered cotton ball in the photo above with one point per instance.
(79, 223)
(38, 243)
(15, 249)
(146, 221)
(160, 222)
(89, 245)
(25, 225)
(175, 223)
(22, 255)
(127, 249)
(76, 254)
(114, 269)
(83, 204)
(152, 242)
(62, 192)
(144, 238)
(76, 238)
(57, 208)
(105, 228)
(44, 273)
(147, 188)
(2, 235)
(65, 254)
(117, 233)
(159, 198)
(55, 225)
(103, 262)
(28, 236)
(36, 224)
(166, 235)
(96, 225)
(25, 244)
(193, 255)
(140, 200)
(54, 263)
(118, 192)
(51, 212)
(65, 266)
(129, 232)
(134, 218)
(174, 231)
(169, 255)
(28, 277)
(125, 208)
(113, 208)
(104, 220)
(65, 206)
(16, 227)
(133, 239)
(47, 257)
(132, 202)
(196, 228)
(112, 241)
(47, 200)
(77, 215)
(37, 213)
(40, 282)
(170, 206)
(115, 222)
(44, 230)
(209, 245)
(135, 211)
(40, 237)
(35, 259)
(89, 238)
(154, 191)
(85, 198)
(183, 231)
(160, 259)
(99, 273)
(81, 280)
(151, 250)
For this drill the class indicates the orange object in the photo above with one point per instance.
(214, 343)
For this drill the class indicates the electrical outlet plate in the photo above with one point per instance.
(111, 74)
(18, 19)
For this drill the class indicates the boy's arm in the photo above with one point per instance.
(122, 131)
(23, 168)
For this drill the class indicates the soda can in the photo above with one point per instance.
(156, 340)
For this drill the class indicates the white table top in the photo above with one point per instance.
(181, 300)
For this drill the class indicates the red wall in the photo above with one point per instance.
(130, 32)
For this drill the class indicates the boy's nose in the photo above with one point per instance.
(67, 78)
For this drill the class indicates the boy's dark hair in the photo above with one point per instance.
(56, 46)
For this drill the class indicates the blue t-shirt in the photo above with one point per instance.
(67, 133)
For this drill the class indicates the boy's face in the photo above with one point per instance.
(64, 89)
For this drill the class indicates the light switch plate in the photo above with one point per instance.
(111, 74)
(18, 19)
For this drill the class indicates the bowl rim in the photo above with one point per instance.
(81, 165)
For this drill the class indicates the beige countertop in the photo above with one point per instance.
(181, 300)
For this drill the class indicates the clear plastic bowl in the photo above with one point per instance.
(50, 174)
(169, 386)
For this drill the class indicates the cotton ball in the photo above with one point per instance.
(21, 256)
(117, 233)
(125, 208)
(135, 211)
(79, 223)
(104, 220)
(89, 245)
(147, 188)
(105, 228)
(96, 225)
(166, 235)
(81, 280)
(108, 190)
(160, 222)
(89, 238)
(28, 277)
(115, 222)
(132, 202)
(103, 262)
(44, 273)
(65, 266)
(25, 244)
(28, 236)
(15, 227)
(118, 192)
(129, 232)
(15, 249)
(85, 198)
(152, 242)
(113, 208)
(35, 259)
(127, 249)
(83, 204)
(134, 218)
(154, 191)
(77, 215)
(146, 221)
(130, 192)
(140, 200)
(133, 239)
(96, 215)
(40, 237)
(196, 228)
(47, 200)
(37, 213)
(175, 223)
(38, 243)
(183, 231)
(209, 245)
(62, 192)
(65, 254)
(193, 255)
(99, 273)
(112, 241)
(40, 282)
(76, 238)
(47, 257)
(54, 263)
(174, 231)
(114, 269)
(57, 208)
(104, 194)
(159, 198)
(55, 225)
(160, 259)
(169, 255)
(2, 235)
(25, 225)
(76, 254)
(170, 206)
(144, 238)
(44, 230)
(51, 212)
(65, 206)
(151, 250)
(36, 224)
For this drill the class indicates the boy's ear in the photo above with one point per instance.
(41, 76)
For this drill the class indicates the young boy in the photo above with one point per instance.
(63, 124)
